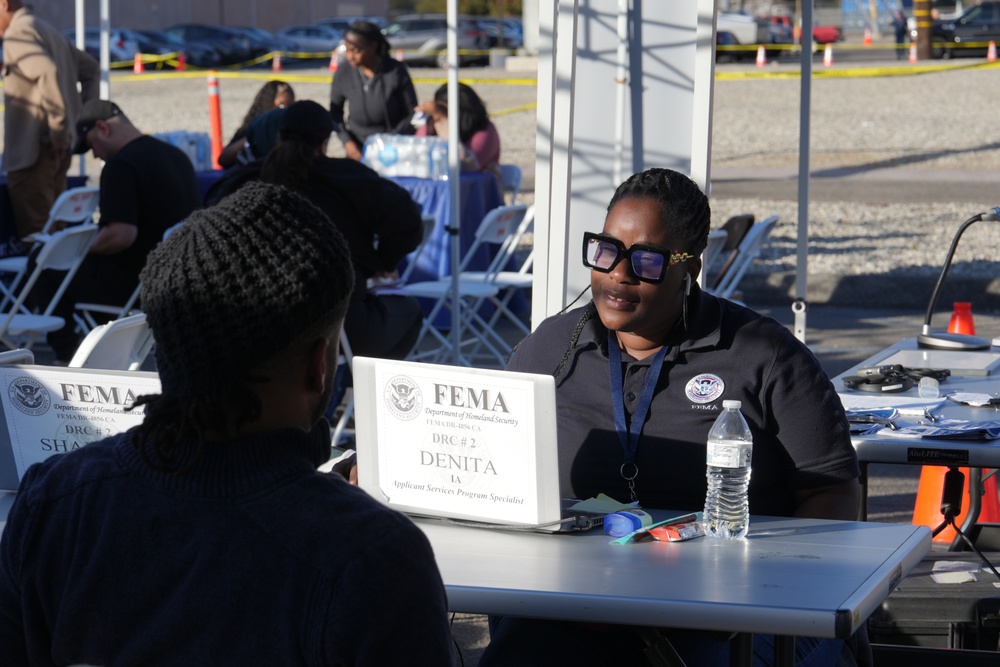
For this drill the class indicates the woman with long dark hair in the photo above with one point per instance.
(272, 95)
(477, 133)
(377, 89)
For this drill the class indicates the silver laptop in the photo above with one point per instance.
(467, 445)
(47, 410)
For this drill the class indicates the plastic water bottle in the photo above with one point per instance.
(730, 448)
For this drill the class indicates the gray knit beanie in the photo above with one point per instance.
(238, 282)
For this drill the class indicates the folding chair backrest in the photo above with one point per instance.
(74, 205)
(510, 176)
(503, 226)
(749, 250)
(736, 228)
(120, 345)
(716, 242)
(19, 356)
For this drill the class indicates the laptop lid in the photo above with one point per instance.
(460, 443)
(48, 410)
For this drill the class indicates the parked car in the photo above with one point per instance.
(342, 23)
(827, 34)
(423, 39)
(263, 42)
(976, 27)
(734, 51)
(198, 54)
(312, 38)
(234, 46)
(513, 35)
(122, 46)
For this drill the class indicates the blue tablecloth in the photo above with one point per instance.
(479, 194)
(10, 245)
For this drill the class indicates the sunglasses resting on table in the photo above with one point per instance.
(648, 262)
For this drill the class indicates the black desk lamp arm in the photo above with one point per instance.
(992, 214)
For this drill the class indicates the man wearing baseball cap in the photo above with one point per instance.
(147, 186)
(205, 535)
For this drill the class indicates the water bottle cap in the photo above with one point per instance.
(735, 405)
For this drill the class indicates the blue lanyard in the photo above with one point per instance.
(629, 437)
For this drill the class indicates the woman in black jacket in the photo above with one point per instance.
(378, 90)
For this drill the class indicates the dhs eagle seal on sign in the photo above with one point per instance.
(403, 398)
(29, 396)
(704, 388)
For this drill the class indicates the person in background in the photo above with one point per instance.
(272, 95)
(41, 70)
(213, 505)
(900, 28)
(378, 218)
(147, 186)
(479, 137)
(377, 89)
(651, 330)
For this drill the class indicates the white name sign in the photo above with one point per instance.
(457, 442)
(54, 410)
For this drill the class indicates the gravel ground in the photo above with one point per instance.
(910, 122)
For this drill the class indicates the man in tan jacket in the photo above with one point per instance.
(40, 70)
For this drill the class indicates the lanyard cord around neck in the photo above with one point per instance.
(629, 437)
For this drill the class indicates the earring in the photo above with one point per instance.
(684, 304)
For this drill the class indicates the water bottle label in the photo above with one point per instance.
(729, 454)
(389, 155)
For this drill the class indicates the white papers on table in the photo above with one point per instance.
(874, 401)
(954, 571)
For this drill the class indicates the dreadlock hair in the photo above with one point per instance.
(370, 32)
(264, 100)
(472, 115)
(684, 210)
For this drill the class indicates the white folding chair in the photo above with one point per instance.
(119, 345)
(749, 250)
(510, 177)
(716, 241)
(18, 356)
(84, 312)
(346, 359)
(73, 206)
(509, 281)
(499, 225)
(63, 251)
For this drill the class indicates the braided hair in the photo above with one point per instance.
(370, 32)
(252, 279)
(684, 210)
(684, 213)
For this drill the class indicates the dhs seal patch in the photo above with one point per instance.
(403, 398)
(29, 396)
(705, 388)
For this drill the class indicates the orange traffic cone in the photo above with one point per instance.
(961, 319)
(333, 61)
(828, 55)
(761, 56)
(991, 53)
(180, 61)
(913, 52)
(868, 37)
(276, 62)
(927, 509)
(137, 66)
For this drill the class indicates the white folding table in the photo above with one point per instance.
(790, 577)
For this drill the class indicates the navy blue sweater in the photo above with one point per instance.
(252, 558)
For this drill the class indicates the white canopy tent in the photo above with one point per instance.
(659, 60)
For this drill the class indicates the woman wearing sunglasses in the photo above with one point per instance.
(641, 373)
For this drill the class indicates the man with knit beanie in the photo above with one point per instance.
(206, 535)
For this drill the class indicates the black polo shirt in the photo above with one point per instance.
(800, 432)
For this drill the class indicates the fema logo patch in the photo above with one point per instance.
(403, 398)
(704, 388)
(29, 396)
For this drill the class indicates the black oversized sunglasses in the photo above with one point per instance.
(648, 262)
